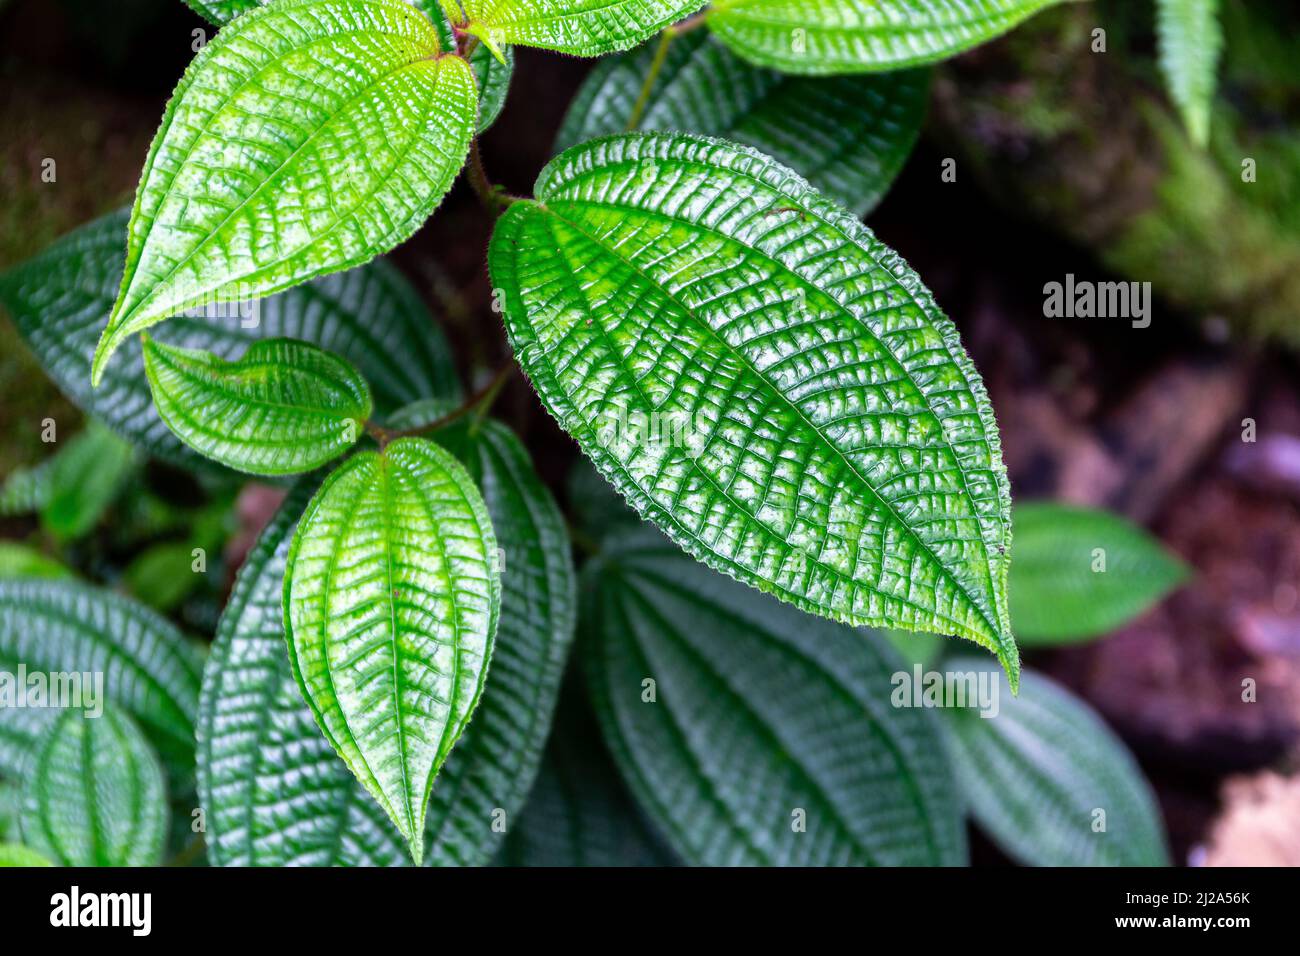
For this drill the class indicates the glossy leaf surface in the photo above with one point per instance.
(371, 316)
(752, 735)
(284, 407)
(1036, 776)
(307, 138)
(848, 135)
(580, 27)
(763, 379)
(1191, 40)
(856, 36)
(391, 596)
(1078, 573)
(95, 795)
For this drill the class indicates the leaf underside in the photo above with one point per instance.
(848, 135)
(857, 36)
(772, 739)
(1035, 775)
(60, 300)
(285, 407)
(1190, 42)
(1059, 591)
(391, 596)
(94, 794)
(579, 27)
(764, 380)
(307, 138)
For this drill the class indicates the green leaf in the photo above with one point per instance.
(492, 75)
(222, 11)
(95, 795)
(148, 668)
(285, 407)
(764, 380)
(751, 734)
(84, 478)
(20, 561)
(1077, 573)
(391, 596)
(1035, 775)
(849, 135)
(858, 36)
(307, 138)
(11, 854)
(579, 812)
(60, 300)
(20, 729)
(162, 575)
(579, 27)
(1191, 40)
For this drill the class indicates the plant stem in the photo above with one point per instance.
(480, 402)
(643, 100)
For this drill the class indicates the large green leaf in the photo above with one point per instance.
(1191, 40)
(95, 794)
(849, 135)
(307, 138)
(149, 670)
(1077, 573)
(371, 316)
(285, 407)
(391, 597)
(580, 27)
(274, 790)
(763, 737)
(1049, 781)
(764, 380)
(856, 36)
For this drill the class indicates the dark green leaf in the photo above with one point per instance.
(84, 478)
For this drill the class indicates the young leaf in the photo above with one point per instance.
(858, 36)
(764, 380)
(11, 854)
(1077, 573)
(754, 735)
(1191, 40)
(849, 135)
(84, 478)
(95, 794)
(391, 595)
(579, 27)
(148, 668)
(20, 561)
(59, 301)
(1048, 780)
(492, 75)
(307, 138)
(285, 407)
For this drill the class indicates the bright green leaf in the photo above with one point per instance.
(307, 138)
(148, 668)
(60, 299)
(11, 854)
(391, 596)
(284, 407)
(1036, 776)
(20, 561)
(764, 380)
(85, 476)
(858, 36)
(1191, 40)
(770, 738)
(1077, 573)
(848, 135)
(492, 75)
(579, 27)
(95, 795)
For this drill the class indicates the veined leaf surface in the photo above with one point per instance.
(764, 380)
(391, 596)
(283, 408)
(1035, 776)
(1077, 573)
(771, 738)
(580, 27)
(307, 138)
(848, 135)
(1191, 40)
(371, 316)
(858, 36)
(95, 795)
